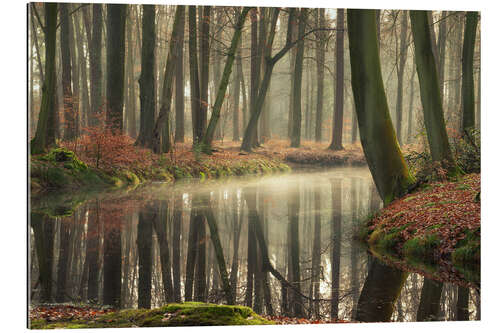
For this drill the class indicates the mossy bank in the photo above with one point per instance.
(60, 169)
(182, 314)
(440, 223)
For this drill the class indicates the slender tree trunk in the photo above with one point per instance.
(191, 256)
(378, 139)
(403, 48)
(410, 107)
(179, 84)
(441, 48)
(161, 131)
(194, 81)
(115, 66)
(147, 93)
(336, 229)
(293, 214)
(176, 247)
(204, 63)
(430, 93)
(208, 138)
(338, 115)
(468, 103)
(85, 102)
(297, 83)
(130, 107)
(95, 51)
(254, 72)
(46, 127)
(236, 98)
(320, 70)
(166, 270)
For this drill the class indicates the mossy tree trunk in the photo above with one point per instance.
(214, 119)
(147, 92)
(161, 141)
(430, 93)
(378, 139)
(468, 103)
(45, 135)
(115, 66)
(338, 113)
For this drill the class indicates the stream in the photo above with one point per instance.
(158, 243)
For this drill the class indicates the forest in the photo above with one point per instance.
(210, 165)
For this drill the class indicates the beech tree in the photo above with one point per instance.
(468, 120)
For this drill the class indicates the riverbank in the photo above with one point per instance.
(62, 169)
(119, 163)
(438, 224)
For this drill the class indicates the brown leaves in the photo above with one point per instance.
(282, 320)
(66, 312)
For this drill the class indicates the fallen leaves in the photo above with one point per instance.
(283, 320)
(65, 312)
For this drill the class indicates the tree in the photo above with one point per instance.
(46, 127)
(194, 80)
(115, 66)
(69, 115)
(179, 84)
(95, 64)
(468, 120)
(430, 93)
(401, 63)
(297, 83)
(320, 68)
(338, 115)
(209, 135)
(378, 139)
(161, 143)
(147, 93)
(204, 63)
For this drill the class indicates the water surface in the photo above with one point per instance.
(161, 243)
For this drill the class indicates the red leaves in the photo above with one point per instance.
(66, 312)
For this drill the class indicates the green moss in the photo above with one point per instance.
(177, 314)
(421, 248)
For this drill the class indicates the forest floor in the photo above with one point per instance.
(438, 224)
(183, 314)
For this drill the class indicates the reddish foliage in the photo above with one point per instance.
(66, 312)
(447, 209)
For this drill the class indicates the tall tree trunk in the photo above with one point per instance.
(441, 48)
(254, 72)
(410, 107)
(236, 98)
(115, 66)
(293, 215)
(338, 115)
(179, 84)
(194, 80)
(45, 135)
(191, 255)
(147, 93)
(85, 102)
(378, 139)
(468, 103)
(161, 131)
(130, 87)
(166, 270)
(336, 229)
(320, 68)
(430, 94)
(297, 83)
(112, 266)
(95, 51)
(403, 48)
(316, 253)
(204, 63)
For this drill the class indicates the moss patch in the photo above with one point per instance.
(182, 314)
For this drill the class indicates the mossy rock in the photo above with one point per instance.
(177, 314)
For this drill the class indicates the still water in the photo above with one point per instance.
(282, 244)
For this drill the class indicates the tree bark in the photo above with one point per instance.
(403, 48)
(378, 139)
(430, 93)
(179, 84)
(45, 135)
(297, 83)
(338, 115)
(194, 81)
(115, 66)
(468, 103)
(147, 93)
(95, 51)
